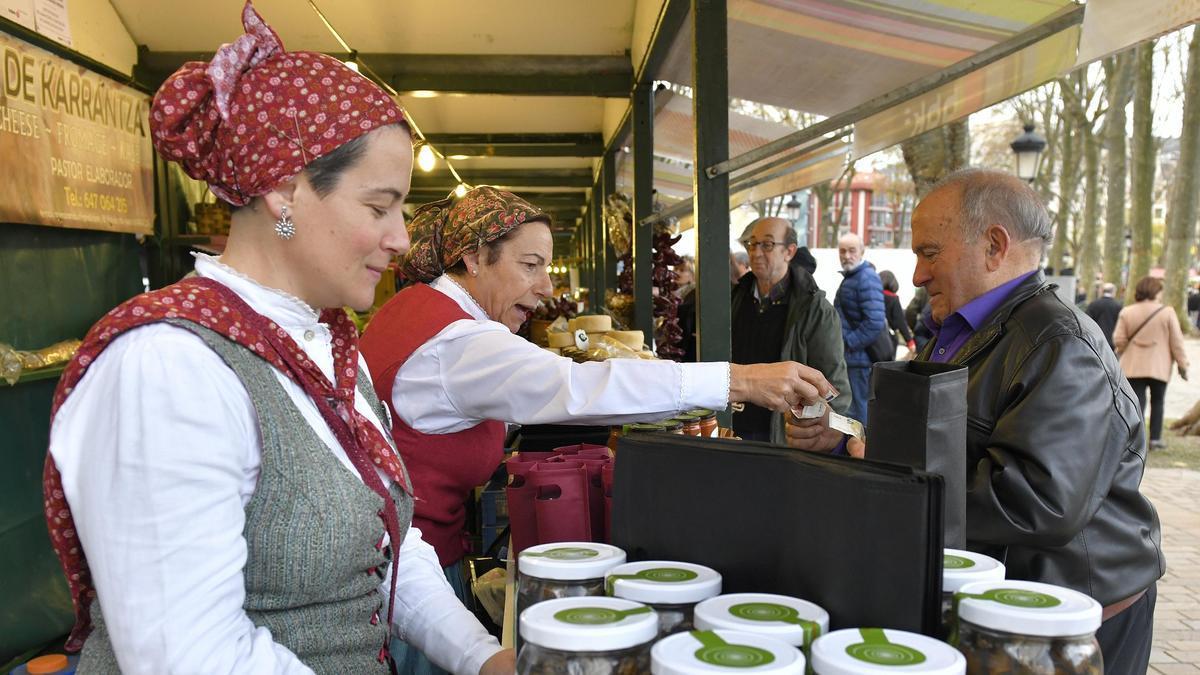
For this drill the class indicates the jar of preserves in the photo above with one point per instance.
(586, 635)
(791, 620)
(960, 568)
(879, 651)
(643, 428)
(708, 421)
(1028, 627)
(703, 652)
(671, 426)
(563, 570)
(672, 588)
(691, 424)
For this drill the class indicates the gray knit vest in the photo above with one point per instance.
(312, 570)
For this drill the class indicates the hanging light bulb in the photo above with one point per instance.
(426, 158)
(461, 190)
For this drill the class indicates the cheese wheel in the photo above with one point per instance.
(630, 338)
(600, 323)
(559, 339)
(571, 325)
(553, 350)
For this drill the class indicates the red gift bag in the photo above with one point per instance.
(561, 501)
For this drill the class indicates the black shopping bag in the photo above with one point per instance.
(918, 413)
(860, 538)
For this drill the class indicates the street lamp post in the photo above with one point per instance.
(1028, 148)
(794, 207)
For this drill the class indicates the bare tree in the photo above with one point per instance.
(1118, 72)
(1079, 99)
(1181, 216)
(1144, 163)
(832, 206)
(935, 154)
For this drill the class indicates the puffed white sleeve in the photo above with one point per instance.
(155, 446)
(429, 616)
(476, 370)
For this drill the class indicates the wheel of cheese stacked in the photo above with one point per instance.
(630, 338)
(599, 323)
(560, 339)
(553, 350)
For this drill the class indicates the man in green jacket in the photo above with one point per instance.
(779, 314)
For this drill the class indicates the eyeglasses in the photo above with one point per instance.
(767, 246)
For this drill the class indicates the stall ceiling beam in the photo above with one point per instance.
(670, 21)
(905, 93)
(444, 180)
(519, 145)
(513, 74)
(710, 106)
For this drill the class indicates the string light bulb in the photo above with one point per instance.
(426, 158)
(461, 190)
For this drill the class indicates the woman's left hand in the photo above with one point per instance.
(502, 663)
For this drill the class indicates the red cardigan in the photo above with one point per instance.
(444, 467)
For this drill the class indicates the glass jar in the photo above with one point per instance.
(614, 434)
(671, 426)
(703, 652)
(563, 570)
(672, 588)
(879, 651)
(642, 428)
(790, 620)
(691, 424)
(708, 421)
(586, 635)
(1028, 627)
(960, 568)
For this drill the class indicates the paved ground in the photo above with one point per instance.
(1176, 495)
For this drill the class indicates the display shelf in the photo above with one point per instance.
(50, 373)
(208, 243)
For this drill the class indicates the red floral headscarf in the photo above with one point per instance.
(442, 232)
(256, 115)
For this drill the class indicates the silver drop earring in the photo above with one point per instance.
(284, 227)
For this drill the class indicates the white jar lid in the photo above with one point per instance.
(960, 568)
(1028, 608)
(872, 651)
(778, 616)
(569, 560)
(662, 582)
(724, 651)
(588, 624)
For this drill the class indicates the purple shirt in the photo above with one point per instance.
(961, 325)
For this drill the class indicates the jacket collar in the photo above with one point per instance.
(993, 328)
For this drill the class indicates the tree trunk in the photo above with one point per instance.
(1181, 216)
(935, 154)
(1068, 184)
(1144, 164)
(1090, 238)
(1119, 71)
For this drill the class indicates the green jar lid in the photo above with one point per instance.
(702, 413)
(670, 424)
(644, 428)
(687, 417)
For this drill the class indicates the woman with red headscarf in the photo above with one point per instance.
(221, 487)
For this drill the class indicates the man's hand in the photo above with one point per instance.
(814, 435)
(778, 386)
(502, 663)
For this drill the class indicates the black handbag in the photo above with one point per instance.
(918, 413)
(858, 537)
(882, 349)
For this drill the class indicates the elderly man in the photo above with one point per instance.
(1055, 444)
(1104, 310)
(859, 301)
(778, 312)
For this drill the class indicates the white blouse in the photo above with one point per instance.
(476, 369)
(159, 452)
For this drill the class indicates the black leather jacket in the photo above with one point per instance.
(1055, 451)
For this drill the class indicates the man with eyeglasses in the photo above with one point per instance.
(779, 313)
(859, 301)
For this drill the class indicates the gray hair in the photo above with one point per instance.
(740, 257)
(991, 197)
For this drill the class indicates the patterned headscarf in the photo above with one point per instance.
(444, 231)
(256, 115)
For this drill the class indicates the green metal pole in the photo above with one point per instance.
(710, 61)
(608, 187)
(643, 204)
